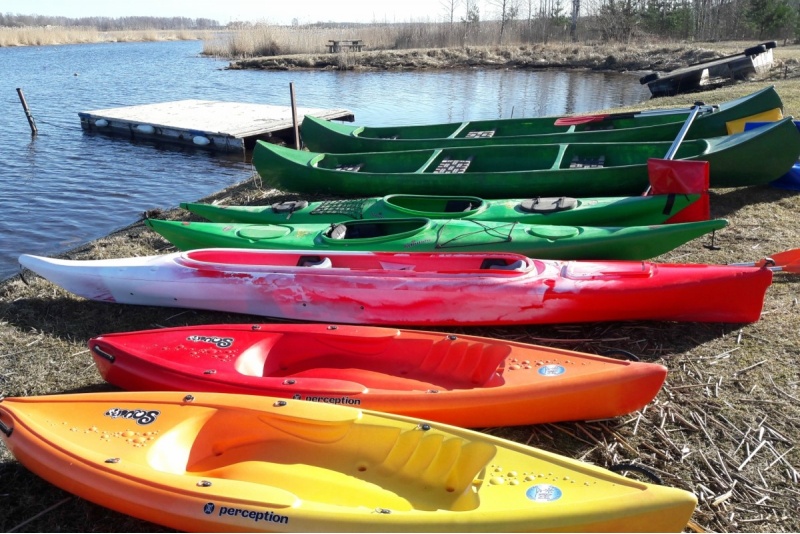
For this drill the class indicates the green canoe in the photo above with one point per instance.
(596, 211)
(656, 125)
(428, 235)
(753, 157)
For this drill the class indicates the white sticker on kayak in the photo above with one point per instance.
(551, 370)
(543, 493)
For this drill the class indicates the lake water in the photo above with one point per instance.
(65, 187)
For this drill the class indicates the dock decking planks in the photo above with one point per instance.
(227, 126)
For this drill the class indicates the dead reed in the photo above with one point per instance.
(43, 36)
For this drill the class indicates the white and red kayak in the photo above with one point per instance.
(384, 288)
(459, 379)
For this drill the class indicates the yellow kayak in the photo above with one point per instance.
(226, 462)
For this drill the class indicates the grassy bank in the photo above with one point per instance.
(725, 426)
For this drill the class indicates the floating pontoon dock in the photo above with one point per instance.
(213, 125)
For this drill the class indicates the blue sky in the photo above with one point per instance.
(273, 11)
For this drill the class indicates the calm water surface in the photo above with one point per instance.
(66, 187)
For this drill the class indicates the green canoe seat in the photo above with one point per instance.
(587, 163)
(478, 133)
(352, 168)
(547, 204)
(452, 166)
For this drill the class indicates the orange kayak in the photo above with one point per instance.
(456, 379)
(218, 462)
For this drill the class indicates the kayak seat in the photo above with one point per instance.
(457, 206)
(289, 206)
(587, 163)
(337, 231)
(548, 204)
(497, 263)
(314, 261)
(463, 362)
(355, 167)
(452, 166)
(452, 465)
(476, 134)
(356, 231)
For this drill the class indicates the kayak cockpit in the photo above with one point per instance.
(336, 364)
(260, 452)
(222, 260)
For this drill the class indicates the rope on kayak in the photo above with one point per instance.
(497, 232)
(620, 468)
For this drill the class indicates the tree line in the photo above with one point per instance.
(629, 20)
(537, 21)
(9, 20)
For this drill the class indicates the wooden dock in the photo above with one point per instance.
(754, 60)
(207, 124)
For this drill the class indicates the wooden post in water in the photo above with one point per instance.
(294, 118)
(31, 122)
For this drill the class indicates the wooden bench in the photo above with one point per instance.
(355, 45)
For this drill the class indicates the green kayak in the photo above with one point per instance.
(321, 135)
(428, 235)
(596, 211)
(753, 157)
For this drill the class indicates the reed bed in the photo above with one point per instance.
(270, 40)
(44, 36)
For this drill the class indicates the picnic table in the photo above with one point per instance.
(344, 45)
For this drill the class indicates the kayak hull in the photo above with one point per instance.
(427, 235)
(416, 289)
(593, 211)
(221, 462)
(461, 380)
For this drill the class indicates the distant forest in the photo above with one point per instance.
(8, 20)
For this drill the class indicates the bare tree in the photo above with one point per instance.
(450, 7)
(508, 11)
(471, 19)
(573, 26)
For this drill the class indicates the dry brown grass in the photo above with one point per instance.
(725, 426)
(36, 36)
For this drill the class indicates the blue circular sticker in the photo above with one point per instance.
(543, 493)
(551, 370)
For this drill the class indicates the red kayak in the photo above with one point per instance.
(385, 288)
(455, 379)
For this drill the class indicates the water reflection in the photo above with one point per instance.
(65, 186)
